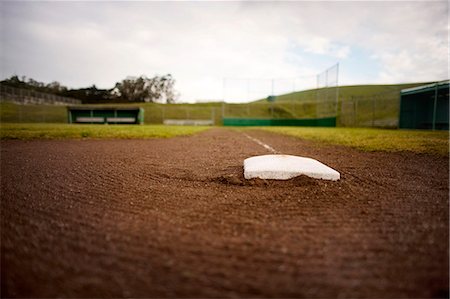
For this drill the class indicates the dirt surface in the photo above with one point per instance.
(175, 218)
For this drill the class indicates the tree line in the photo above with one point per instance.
(158, 89)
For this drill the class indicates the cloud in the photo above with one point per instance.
(200, 43)
(323, 46)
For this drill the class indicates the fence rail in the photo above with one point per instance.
(26, 96)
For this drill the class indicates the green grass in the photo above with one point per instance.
(346, 92)
(368, 139)
(72, 131)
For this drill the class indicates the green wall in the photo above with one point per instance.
(307, 122)
(417, 108)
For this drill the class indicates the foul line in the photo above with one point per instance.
(267, 147)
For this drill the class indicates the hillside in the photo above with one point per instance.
(346, 92)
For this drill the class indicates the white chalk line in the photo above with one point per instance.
(266, 146)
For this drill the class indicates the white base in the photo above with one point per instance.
(284, 167)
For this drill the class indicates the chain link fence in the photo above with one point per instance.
(379, 110)
(23, 113)
(177, 113)
(153, 113)
(354, 111)
(30, 97)
(275, 110)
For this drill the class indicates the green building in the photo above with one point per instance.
(425, 107)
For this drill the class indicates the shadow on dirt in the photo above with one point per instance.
(235, 176)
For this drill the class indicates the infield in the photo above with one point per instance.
(142, 218)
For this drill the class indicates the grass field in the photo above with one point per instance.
(67, 131)
(369, 139)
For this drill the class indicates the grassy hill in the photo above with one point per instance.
(346, 92)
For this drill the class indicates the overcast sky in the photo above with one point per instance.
(201, 43)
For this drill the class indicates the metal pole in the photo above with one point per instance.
(224, 89)
(435, 106)
(354, 111)
(325, 103)
(317, 96)
(293, 107)
(373, 111)
(248, 89)
(70, 116)
(337, 88)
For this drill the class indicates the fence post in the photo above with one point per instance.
(435, 106)
(20, 113)
(223, 109)
(352, 101)
(373, 111)
(293, 103)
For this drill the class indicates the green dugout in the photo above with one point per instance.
(105, 115)
(425, 107)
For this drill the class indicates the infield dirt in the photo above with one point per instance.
(175, 218)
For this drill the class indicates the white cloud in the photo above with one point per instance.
(201, 43)
(321, 45)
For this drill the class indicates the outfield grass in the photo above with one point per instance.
(431, 142)
(368, 139)
(72, 131)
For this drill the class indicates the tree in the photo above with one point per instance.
(143, 89)
(132, 89)
(55, 87)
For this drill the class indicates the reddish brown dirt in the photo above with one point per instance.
(175, 218)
